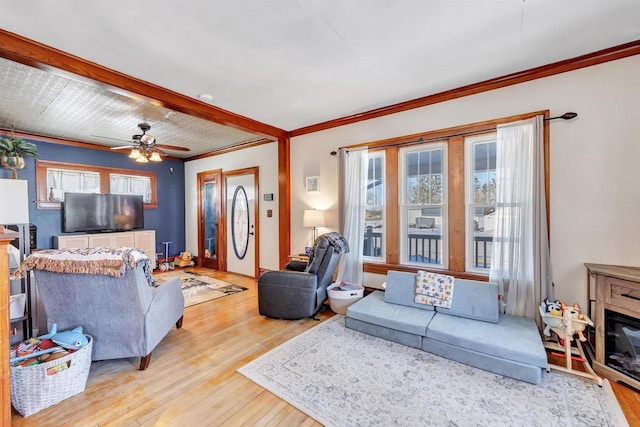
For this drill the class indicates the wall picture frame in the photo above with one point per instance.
(313, 183)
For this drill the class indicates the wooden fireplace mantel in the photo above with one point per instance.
(615, 288)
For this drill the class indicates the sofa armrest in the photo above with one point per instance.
(287, 278)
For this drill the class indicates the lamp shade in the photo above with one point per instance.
(313, 218)
(14, 202)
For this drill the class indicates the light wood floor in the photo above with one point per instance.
(192, 378)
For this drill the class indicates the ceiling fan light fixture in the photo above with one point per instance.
(147, 139)
(155, 157)
(142, 159)
(135, 154)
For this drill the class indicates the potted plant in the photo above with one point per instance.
(13, 151)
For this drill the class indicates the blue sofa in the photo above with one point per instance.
(473, 331)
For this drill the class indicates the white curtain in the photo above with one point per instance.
(353, 181)
(60, 181)
(520, 263)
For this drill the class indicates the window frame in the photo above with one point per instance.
(457, 229)
(470, 203)
(43, 202)
(405, 207)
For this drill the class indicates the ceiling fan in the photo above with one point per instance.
(144, 147)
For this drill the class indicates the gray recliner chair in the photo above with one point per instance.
(291, 294)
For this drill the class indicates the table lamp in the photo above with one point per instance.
(313, 218)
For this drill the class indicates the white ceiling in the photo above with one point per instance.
(294, 63)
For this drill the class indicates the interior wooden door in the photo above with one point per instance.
(210, 240)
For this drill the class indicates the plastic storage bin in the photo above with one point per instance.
(16, 305)
(341, 299)
(33, 388)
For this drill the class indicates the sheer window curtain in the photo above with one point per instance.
(520, 263)
(353, 179)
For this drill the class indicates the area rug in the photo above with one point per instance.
(198, 288)
(343, 378)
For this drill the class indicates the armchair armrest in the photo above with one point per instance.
(288, 278)
(167, 306)
(296, 265)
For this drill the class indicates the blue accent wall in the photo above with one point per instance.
(167, 220)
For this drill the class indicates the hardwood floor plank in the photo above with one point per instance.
(192, 377)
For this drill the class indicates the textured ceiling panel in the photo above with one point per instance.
(40, 102)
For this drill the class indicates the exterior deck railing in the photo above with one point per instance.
(426, 247)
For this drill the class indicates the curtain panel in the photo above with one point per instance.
(353, 181)
(520, 263)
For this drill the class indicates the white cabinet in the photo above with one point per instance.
(145, 240)
(112, 240)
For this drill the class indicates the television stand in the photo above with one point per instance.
(144, 240)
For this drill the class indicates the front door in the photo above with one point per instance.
(209, 213)
(241, 208)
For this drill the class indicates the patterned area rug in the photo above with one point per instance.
(198, 288)
(343, 378)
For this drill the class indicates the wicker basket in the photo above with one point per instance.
(32, 389)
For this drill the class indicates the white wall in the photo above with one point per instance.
(266, 158)
(595, 159)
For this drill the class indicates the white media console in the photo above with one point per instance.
(144, 240)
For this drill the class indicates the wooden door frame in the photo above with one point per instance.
(206, 176)
(255, 171)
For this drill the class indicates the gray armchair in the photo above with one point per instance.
(125, 316)
(294, 294)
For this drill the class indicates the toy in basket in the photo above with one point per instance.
(49, 369)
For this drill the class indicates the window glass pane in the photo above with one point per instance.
(374, 209)
(130, 184)
(425, 187)
(424, 236)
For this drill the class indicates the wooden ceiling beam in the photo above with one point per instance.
(29, 52)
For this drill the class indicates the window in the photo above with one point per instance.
(423, 211)
(130, 184)
(60, 181)
(432, 196)
(53, 179)
(374, 223)
(481, 200)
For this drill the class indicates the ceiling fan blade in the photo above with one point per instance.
(124, 147)
(172, 147)
(159, 151)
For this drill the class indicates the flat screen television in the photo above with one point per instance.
(102, 212)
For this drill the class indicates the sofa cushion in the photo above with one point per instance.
(399, 290)
(513, 338)
(373, 309)
(474, 300)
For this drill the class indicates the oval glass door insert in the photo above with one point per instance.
(240, 222)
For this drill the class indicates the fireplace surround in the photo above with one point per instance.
(614, 305)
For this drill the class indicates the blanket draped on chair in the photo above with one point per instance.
(107, 261)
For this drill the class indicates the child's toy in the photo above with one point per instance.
(578, 321)
(35, 347)
(184, 260)
(571, 322)
(552, 315)
(71, 340)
